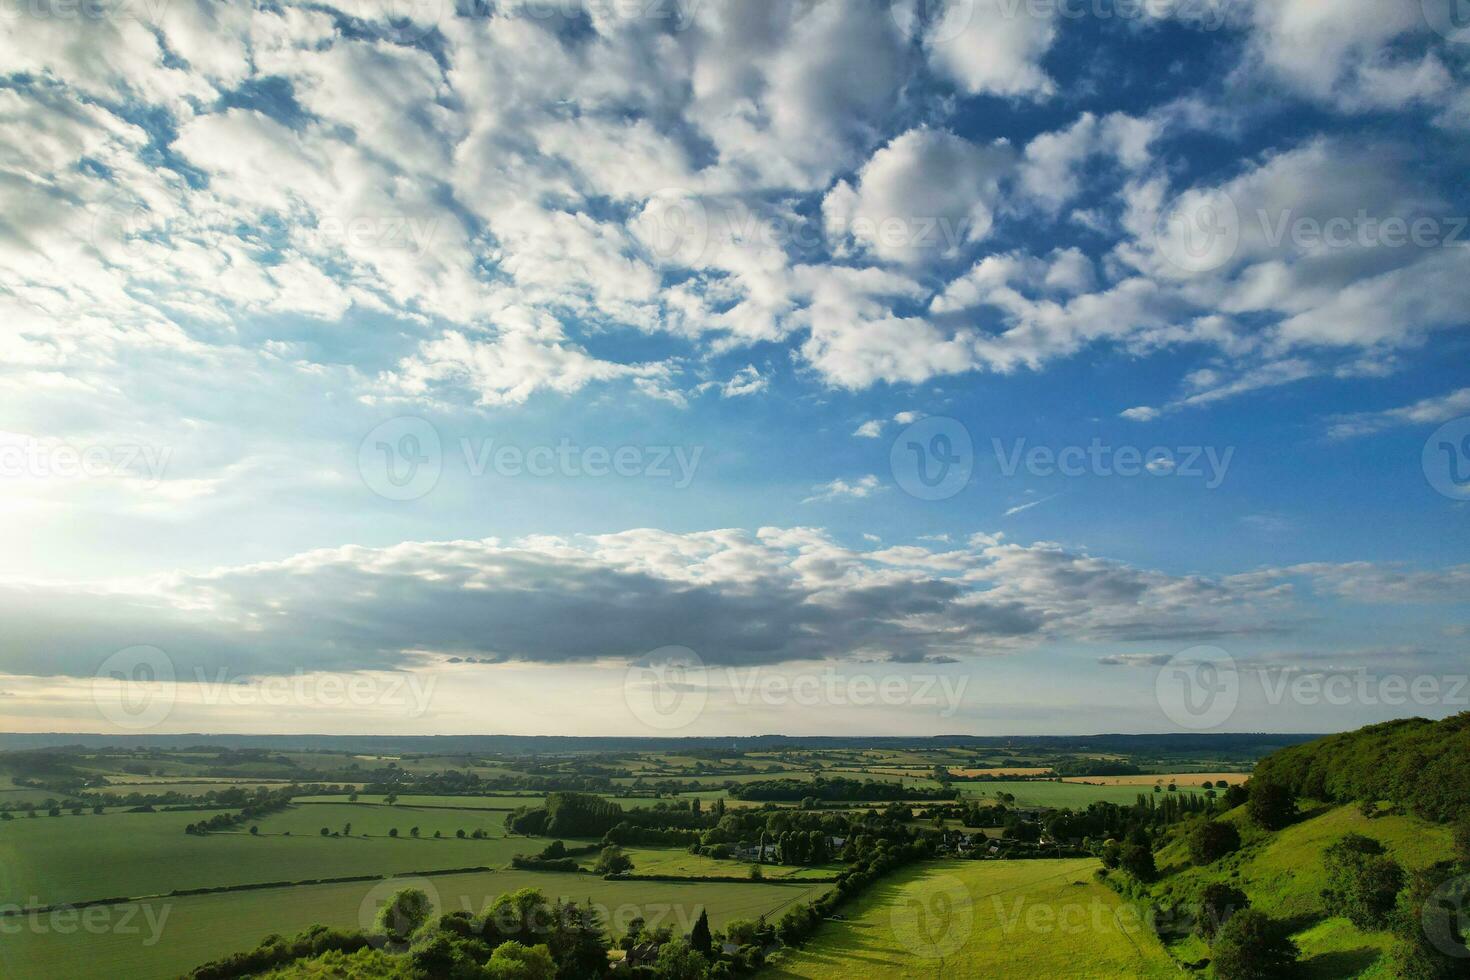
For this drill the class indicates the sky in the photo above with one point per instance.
(651, 367)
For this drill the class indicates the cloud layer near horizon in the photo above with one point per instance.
(734, 597)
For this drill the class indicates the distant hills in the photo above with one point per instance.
(1247, 744)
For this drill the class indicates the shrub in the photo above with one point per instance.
(1253, 946)
(1211, 840)
(1137, 860)
(1362, 882)
(1217, 903)
(1271, 806)
(404, 914)
(1428, 924)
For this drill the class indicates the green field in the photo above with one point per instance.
(458, 802)
(72, 859)
(306, 819)
(481, 802)
(677, 861)
(1045, 793)
(201, 928)
(973, 919)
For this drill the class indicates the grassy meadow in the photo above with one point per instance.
(974, 919)
(166, 937)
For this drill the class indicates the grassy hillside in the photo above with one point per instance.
(1282, 873)
(972, 919)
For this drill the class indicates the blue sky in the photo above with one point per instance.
(245, 251)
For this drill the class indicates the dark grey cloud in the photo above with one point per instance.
(733, 597)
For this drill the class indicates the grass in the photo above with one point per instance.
(500, 802)
(972, 919)
(1147, 780)
(1045, 793)
(70, 859)
(677, 861)
(1283, 876)
(306, 819)
(195, 930)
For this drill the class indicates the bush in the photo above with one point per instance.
(1253, 946)
(1137, 860)
(516, 961)
(613, 861)
(1363, 883)
(1211, 840)
(1217, 903)
(1271, 806)
(1428, 924)
(404, 914)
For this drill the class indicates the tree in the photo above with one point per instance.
(326, 832)
(699, 936)
(254, 831)
(1363, 882)
(413, 831)
(392, 831)
(612, 861)
(1211, 840)
(1217, 903)
(404, 914)
(1112, 852)
(460, 833)
(1137, 860)
(1271, 806)
(1253, 946)
(1461, 837)
(516, 961)
(1429, 924)
(677, 960)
